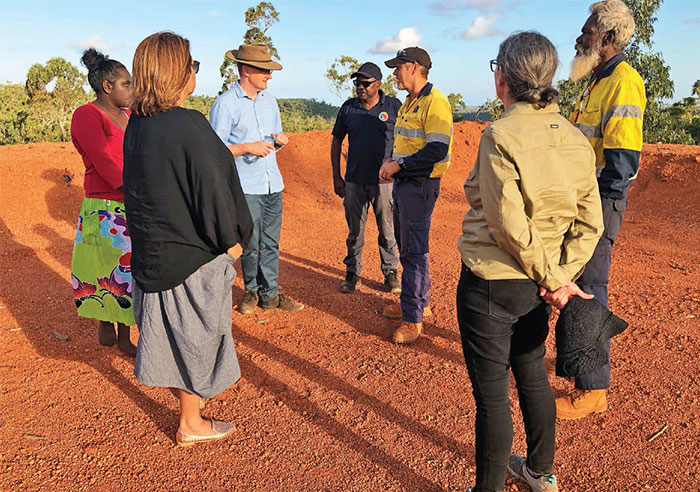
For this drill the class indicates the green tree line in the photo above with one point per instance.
(40, 110)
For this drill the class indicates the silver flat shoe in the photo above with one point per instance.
(222, 429)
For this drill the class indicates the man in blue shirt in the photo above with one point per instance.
(247, 119)
(368, 120)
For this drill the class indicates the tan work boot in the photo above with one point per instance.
(580, 403)
(393, 311)
(248, 303)
(407, 332)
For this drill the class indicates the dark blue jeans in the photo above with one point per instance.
(414, 202)
(594, 280)
(261, 258)
(503, 324)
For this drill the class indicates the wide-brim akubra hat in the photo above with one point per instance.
(255, 55)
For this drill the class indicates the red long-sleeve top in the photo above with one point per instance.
(100, 143)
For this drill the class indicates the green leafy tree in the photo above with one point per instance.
(13, 113)
(696, 88)
(55, 90)
(338, 75)
(493, 107)
(456, 101)
(200, 103)
(258, 19)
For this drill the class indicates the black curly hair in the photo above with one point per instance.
(100, 67)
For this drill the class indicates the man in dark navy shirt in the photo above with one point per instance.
(368, 120)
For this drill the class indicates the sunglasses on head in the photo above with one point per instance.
(493, 64)
(403, 54)
(363, 83)
(195, 66)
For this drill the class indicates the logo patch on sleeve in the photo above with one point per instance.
(383, 116)
(554, 126)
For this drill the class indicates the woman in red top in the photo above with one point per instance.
(101, 266)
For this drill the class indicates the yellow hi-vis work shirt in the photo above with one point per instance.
(609, 113)
(423, 135)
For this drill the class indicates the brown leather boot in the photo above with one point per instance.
(393, 311)
(580, 403)
(407, 332)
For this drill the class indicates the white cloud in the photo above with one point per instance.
(448, 7)
(212, 13)
(407, 36)
(94, 41)
(482, 27)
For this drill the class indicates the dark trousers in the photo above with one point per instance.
(594, 280)
(260, 260)
(358, 198)
(503, 324)
(414, 202)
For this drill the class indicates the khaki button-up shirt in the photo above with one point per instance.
(535, 207)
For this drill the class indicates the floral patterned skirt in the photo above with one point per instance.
(101, 266)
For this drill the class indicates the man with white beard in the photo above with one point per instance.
(609, 113)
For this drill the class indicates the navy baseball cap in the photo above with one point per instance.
(368, 69)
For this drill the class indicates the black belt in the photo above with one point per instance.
(413, 179)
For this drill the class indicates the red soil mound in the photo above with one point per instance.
(326, 402)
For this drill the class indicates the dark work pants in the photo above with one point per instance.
(503, 324)
(260, 260)
(358, 198)
(594, 280)
(414, 202)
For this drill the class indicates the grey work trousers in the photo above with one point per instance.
(358, 198)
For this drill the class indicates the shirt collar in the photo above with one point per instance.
(240, 93)
(425, 90)
(524, 107)
(610, 66)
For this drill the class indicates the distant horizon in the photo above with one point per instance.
(460, 35)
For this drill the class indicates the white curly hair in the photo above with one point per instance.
(614, 15)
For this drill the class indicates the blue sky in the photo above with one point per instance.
(460, 35)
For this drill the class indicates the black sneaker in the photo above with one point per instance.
(282, 303)
(391, 281)
(248, 303)
(351, 281)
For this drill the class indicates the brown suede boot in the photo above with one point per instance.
(393, 311)
(407, 332)
(580, 403)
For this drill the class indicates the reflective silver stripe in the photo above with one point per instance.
(589, 131)
(438, 137)
(406, 132)
(622, 111)
(396, 156)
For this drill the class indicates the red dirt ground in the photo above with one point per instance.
(326, 401)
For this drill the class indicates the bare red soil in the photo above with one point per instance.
(326, 401)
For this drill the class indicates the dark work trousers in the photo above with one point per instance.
(503, 324)
(260, 260)
(414, 202)
(358, 198)
(594, 280)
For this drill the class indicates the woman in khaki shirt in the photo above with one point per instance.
(534, 222)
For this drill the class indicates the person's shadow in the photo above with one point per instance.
(318, 289)
(23, 290)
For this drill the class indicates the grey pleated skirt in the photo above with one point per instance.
(185, 336)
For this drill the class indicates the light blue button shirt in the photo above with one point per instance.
(238, 119)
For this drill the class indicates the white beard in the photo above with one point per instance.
(584, 63)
